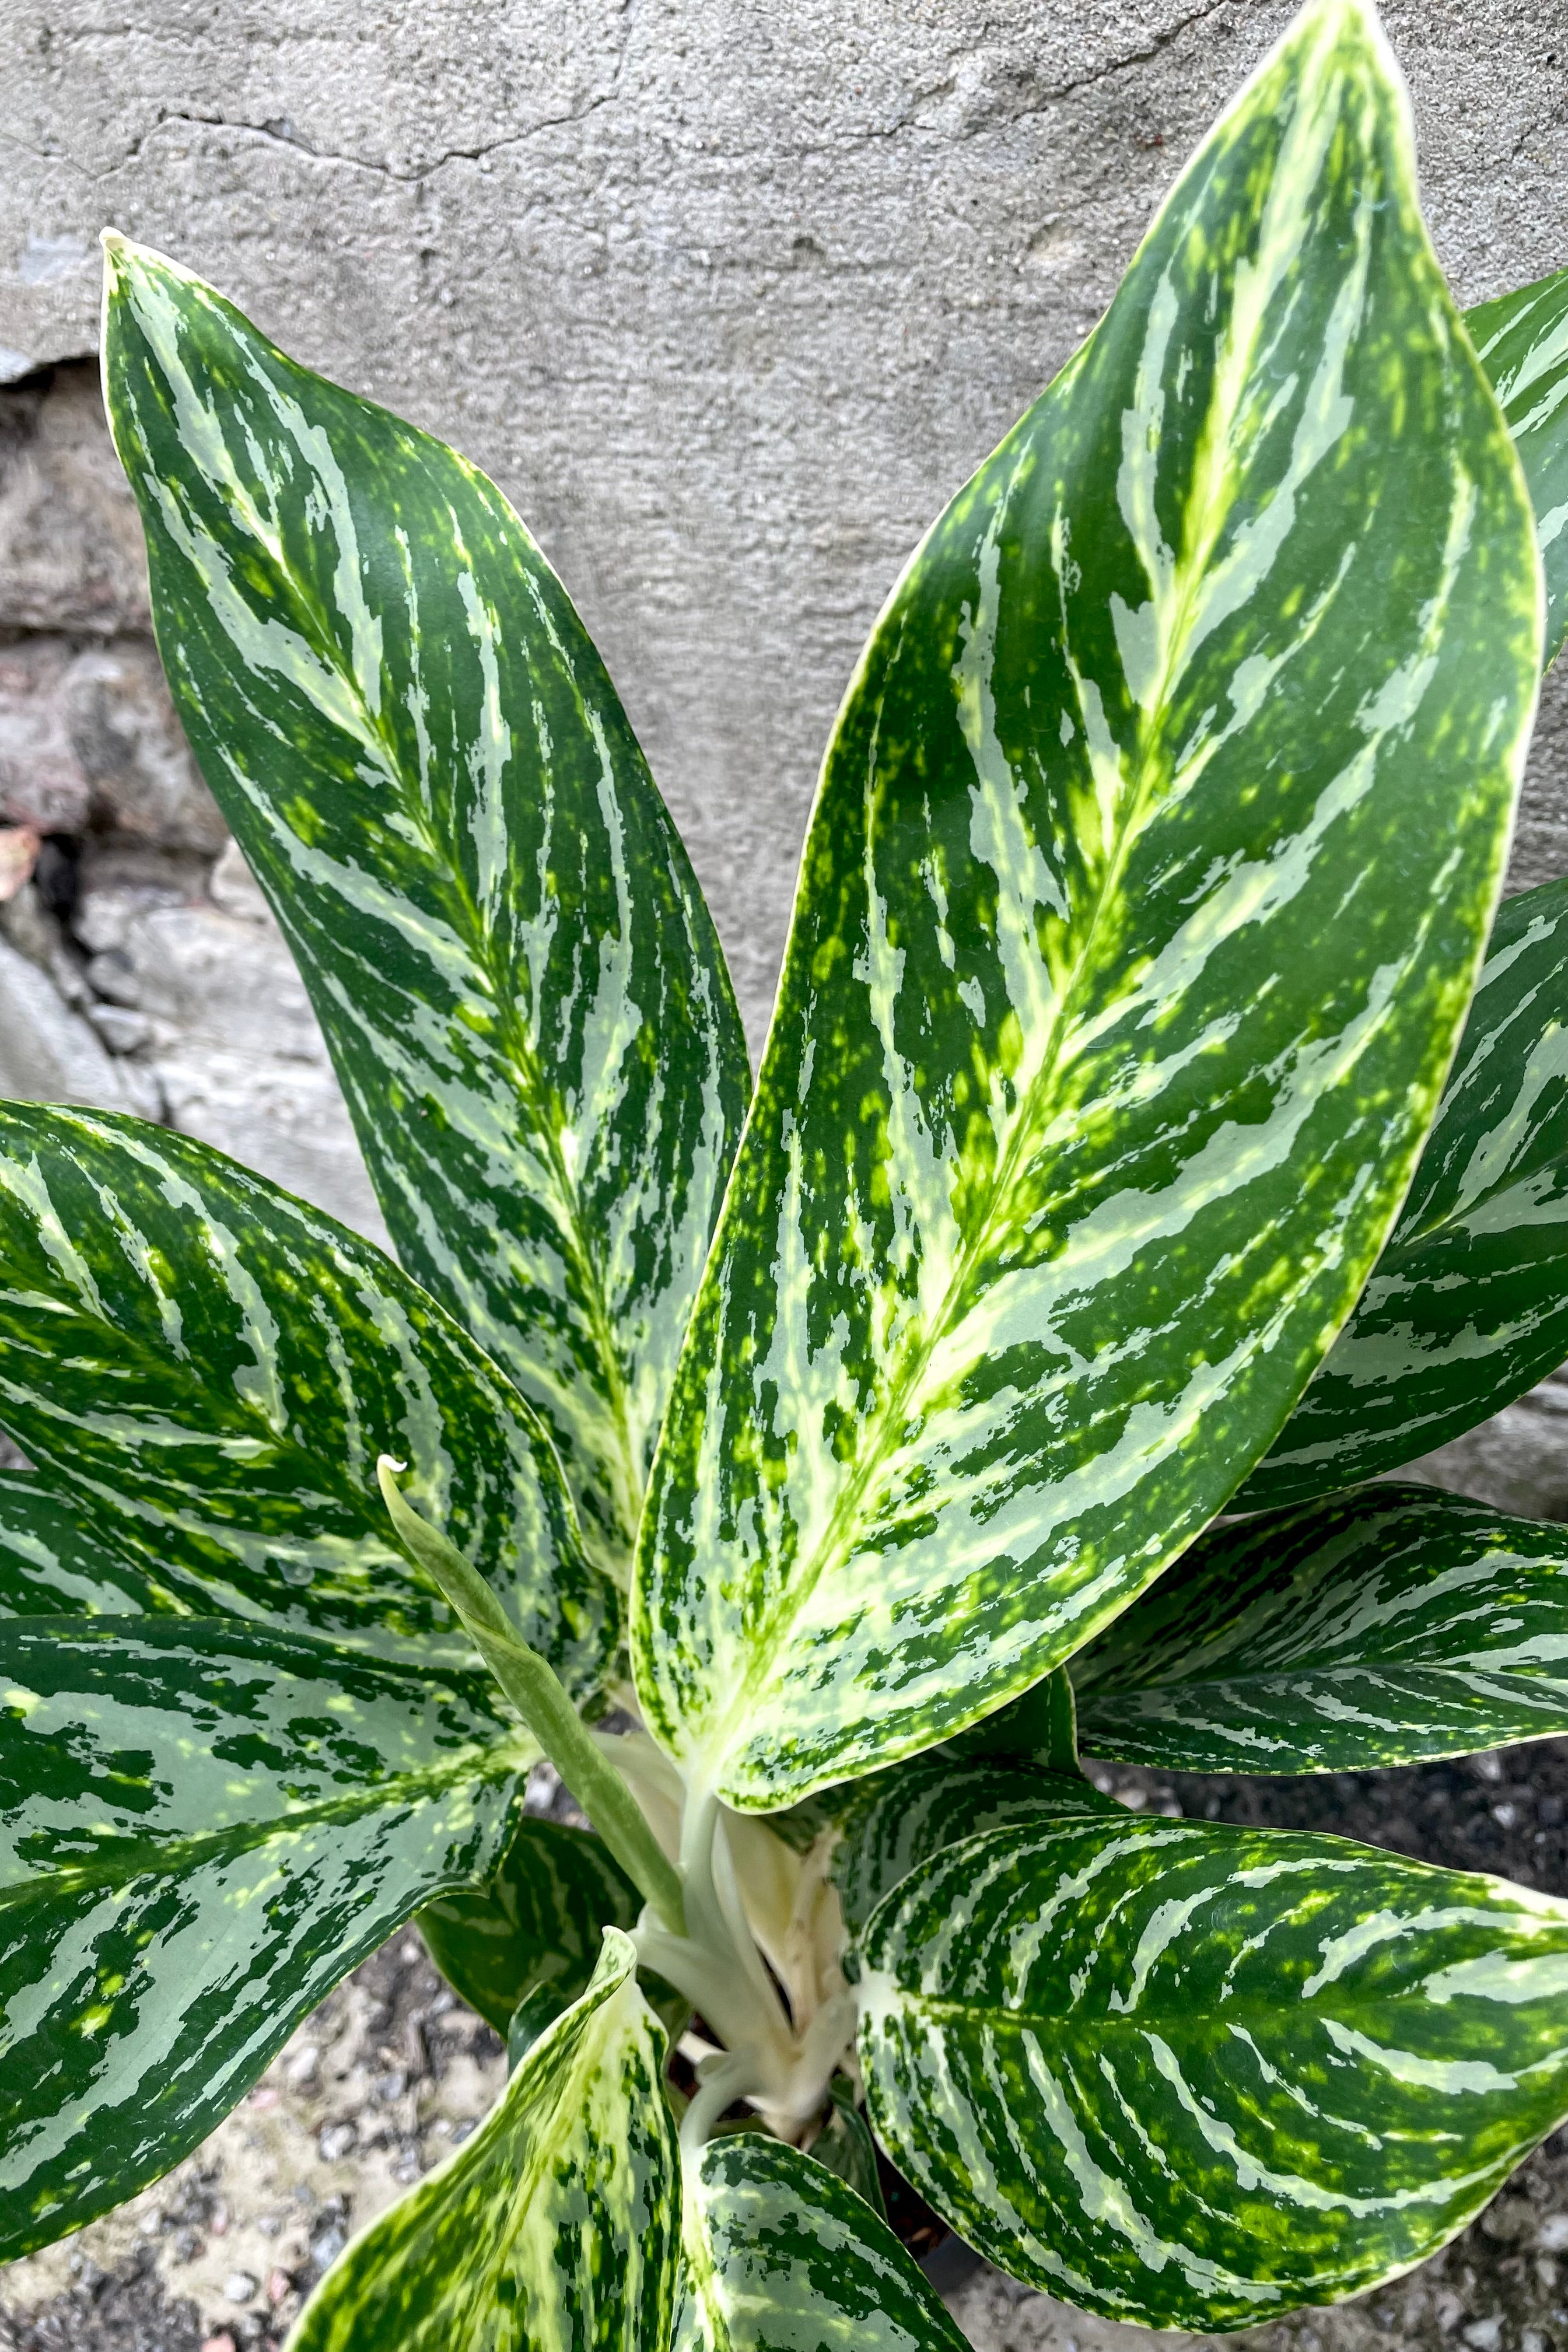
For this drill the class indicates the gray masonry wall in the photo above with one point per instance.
(729, 298)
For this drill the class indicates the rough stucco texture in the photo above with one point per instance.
(728, 297)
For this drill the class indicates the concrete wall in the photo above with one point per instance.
(728, 296)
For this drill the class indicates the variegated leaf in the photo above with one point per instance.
(908, 1813)
(1196, 2076)
(554, 2228)
(206, 1826)
(845, 2146)
(408, 728)
(211, 1368)
(539, 1921)
(778, 2255)
(1468, 1307)
(53, 1563)
(1152, 863)
(1039, 1728)
(1521, 341)
(1037, 1733)
(1393, 1625)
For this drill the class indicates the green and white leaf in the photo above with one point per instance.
(1392, 1625)
(1071, 1147)
(206, 1826)
(211, 1369)
(778, 2255)
(53, 1563)
(1468, 1307)
(1521, 341)
(1196, 2075)
(845, 2146)
(408, 729)
(1039, 1728)
(554, 2228)
(915, 1809)
(539, 1921)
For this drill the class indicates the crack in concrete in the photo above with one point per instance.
(278, 131)
(1053, 96)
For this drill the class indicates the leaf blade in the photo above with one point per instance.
(903, 1816)
(554, 2226)
(905, 1474)
(1395, 1625)
(53, 1563)
(776, 2252)
(538, 1921)
(420, 752)
(207, 1825)
(1135, 2062)
(1467, 1307)
(211, 1368)
(1521, 341)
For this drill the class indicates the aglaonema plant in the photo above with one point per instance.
(1135, 1170)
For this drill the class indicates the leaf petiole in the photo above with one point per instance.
(531, 1685)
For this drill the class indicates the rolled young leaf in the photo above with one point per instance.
(778, 2255)
(1393, 1624)
(1468, 1307)
(207, 1825)
(540, 1920)
(1521, 341)
(553, 2227)
(53, 1563)
(1196, 2075)
(213, 1368)
(408, 726)
(1152, 859)
(914, 1810)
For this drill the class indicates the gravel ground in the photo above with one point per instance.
(393, 2071)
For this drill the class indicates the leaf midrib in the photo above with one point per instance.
(328, 1475)
(569, 1220)
(1213, 474)
(180, 1856)
(1109, 1692)
(942, 2008)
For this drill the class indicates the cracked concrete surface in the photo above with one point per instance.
(729, 298)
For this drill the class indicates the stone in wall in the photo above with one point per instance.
(141, 970)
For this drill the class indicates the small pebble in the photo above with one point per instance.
(336, 2142)
(223, 2343)
(238, 2287)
